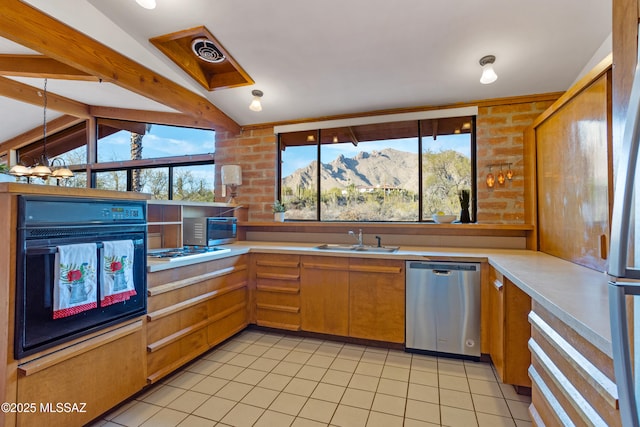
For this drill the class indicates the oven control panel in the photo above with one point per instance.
(39, 211)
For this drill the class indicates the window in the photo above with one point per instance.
(403, 171)
(165, 161)
(120, 140)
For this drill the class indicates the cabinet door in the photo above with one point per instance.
(96, 374)
(517, 306)
(376, 299)
(496, 321)
(324, 295)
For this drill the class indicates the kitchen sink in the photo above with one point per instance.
(357, 248)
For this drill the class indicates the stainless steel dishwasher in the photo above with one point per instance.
(443, 307)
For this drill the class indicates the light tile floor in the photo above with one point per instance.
(272, 380)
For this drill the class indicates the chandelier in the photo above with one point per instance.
(42, 167)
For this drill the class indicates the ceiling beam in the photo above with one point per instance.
(33, 95)
(167, 118)
(26, 25)
(36, 133)
(40, 66)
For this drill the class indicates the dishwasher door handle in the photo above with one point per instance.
(442, 272)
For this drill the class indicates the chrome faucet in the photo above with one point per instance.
(359, 237)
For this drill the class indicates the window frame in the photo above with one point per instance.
(91, 168)
(473, 163)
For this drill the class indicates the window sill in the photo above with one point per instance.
(425, 228)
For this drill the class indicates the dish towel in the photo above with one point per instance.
(117, 272)
(74, 287)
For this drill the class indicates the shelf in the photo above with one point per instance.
(510, 230)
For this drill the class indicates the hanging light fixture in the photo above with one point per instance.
(255, 104)
(509, 173)
(43, 167)
(488, 74)
(491, 180)
(147, 4)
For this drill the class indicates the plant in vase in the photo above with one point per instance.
(278, 211)
(464, 196)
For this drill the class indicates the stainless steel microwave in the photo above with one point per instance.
(208, 231)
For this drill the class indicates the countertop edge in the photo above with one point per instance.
(536, 273)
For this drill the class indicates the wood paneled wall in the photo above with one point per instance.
(574, 176)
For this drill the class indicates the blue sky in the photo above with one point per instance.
(160, 141)
(299, 157)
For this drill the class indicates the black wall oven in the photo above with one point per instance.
(59, 298)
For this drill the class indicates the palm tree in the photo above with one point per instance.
(136, 154)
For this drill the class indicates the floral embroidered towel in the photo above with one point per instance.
(117, 272)
(74, 288)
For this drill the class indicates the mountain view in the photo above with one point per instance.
(378, 186)
(385, 168)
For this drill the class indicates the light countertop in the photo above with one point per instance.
(576, 295)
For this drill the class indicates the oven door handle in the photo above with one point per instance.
(49, 250)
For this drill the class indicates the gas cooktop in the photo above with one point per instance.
(186, 252)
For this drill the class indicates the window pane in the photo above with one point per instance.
(299, 174)
(446, 164)
(113, 180)
(370, 173)
(78, 180)
(155, 181)
(120, 140)
(194, 183)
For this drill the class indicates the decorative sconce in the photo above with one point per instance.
(231, 175)
(42, 168)
(502, 176)
(255, 103)
(509, 173)
(491, 181)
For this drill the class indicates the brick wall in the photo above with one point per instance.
(500, 130)
(255, 151)
(499, 140)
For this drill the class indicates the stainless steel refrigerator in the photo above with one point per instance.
(624, 264)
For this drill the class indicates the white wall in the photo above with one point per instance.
(605, 49)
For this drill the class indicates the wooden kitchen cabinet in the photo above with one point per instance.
(193, 308)
(324, 295)
(377, 299)
(277, 288)
(356, 297)
(77, 374)
(509, 330)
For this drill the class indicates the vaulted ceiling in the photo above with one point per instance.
(311, 58)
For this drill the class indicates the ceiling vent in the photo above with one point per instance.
(203, 57)
(206, 50)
